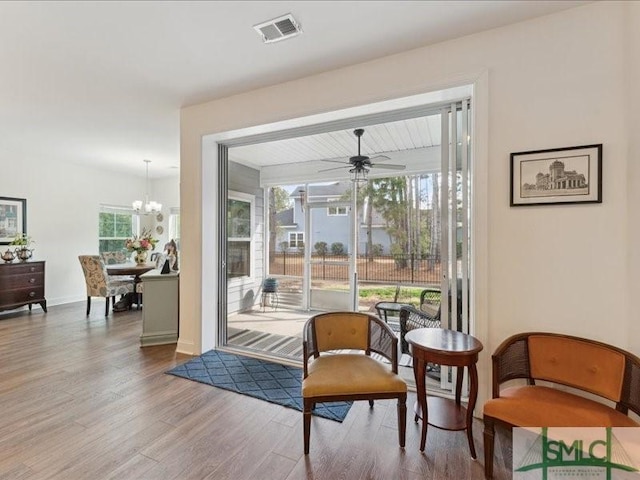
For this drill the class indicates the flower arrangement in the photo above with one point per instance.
(22, 240)
(142, 243)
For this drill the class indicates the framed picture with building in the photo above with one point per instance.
(556, 176)
(13, 218)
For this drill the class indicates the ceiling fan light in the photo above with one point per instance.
(359, 175)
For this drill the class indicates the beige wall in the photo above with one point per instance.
(632, 45)
(560, 80)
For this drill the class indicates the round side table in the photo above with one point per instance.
(445, 347)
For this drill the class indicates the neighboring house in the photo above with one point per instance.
(329, 224)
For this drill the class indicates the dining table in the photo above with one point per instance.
(130, 269)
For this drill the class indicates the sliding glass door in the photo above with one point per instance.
(332, 244)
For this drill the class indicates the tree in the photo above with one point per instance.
(321, 248)
(390, 197)
(337, 248)
(365, 201)
(434, 230)
(399, 200)
(282, 201)
(278, 201)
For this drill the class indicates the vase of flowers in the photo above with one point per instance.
(22, 242)
(141, 246)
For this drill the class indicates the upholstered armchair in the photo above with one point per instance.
(332, 375)
(99, 283)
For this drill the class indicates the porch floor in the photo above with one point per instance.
(279, 333)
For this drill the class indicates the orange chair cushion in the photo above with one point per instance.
(349, 374)
(539, 406)
(337, 331)
(583, 365)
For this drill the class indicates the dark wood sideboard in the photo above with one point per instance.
(22, 284)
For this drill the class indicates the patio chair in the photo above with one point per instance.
(390, 309)
(412, 318)
(430, 302)
(332, 376)
(269, 293)
(99, 283)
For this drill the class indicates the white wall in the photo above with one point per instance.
(62, 215)
(555, 81)
(167, 192)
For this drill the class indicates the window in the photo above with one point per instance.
(174, 225)
(296, 239)
(240, 211)
(335, 211)
(115, 225)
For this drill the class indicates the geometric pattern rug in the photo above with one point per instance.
(261, 379)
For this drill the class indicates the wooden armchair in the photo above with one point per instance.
(332, 376)
(611, 375)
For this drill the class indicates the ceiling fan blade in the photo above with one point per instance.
(389, 166)
(379, 158)
(334, 168)
(334, 161)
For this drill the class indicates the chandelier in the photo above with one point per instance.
(147, 206)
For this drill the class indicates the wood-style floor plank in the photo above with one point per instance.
(81, 400)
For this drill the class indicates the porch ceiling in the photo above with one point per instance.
(384, 139)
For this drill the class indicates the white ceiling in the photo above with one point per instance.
(103, 82)
(383, 139)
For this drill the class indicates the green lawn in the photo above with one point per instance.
(378, 293)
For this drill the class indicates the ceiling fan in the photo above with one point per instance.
(360, 164)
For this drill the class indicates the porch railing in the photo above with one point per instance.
(403, 268)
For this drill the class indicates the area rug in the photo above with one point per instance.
(268, 381)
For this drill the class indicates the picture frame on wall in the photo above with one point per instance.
(557, 176)
(13, 218)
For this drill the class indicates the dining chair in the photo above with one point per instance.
(100, 284)
(330, 374)
(113, 258)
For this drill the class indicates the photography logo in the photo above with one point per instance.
(576, 453)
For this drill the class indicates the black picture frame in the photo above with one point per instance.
(556, 176)
(13, 218)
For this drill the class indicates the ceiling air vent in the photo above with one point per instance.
(278, 29)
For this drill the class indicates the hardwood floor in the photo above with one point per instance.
(79, 399)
